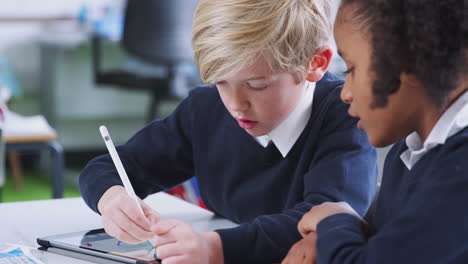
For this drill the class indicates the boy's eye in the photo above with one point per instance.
(220, 83)
(256, 85)
(349, 70)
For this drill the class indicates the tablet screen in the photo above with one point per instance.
(98, 240)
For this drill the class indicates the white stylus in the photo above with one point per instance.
(120, 169)
(118, 165)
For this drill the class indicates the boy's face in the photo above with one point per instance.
(258, 99)
(383, 125)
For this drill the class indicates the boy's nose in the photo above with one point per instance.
(346, 95)
(238, 102)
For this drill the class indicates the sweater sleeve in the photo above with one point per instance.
(157, 157)
(344, 169)
(431, 228)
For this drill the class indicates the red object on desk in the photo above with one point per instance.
(179, 191)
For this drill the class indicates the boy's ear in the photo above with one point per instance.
(318, 64)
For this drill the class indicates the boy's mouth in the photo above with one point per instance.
(247, 124)
(359, 124)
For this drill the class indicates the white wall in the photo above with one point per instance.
(19, 41)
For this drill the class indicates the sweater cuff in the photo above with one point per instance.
(335, 234)
(338, 221)
(93, 192)
(235, 243)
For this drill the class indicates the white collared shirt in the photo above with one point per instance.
(286, 134)
(452, 121)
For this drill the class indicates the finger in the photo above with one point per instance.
(150, 213)
(292, 259)
(176, 260)
(172, 231)
(125, 223)
(292, 255)
(298, 255)
(129, 207)
(153, 217)
(163, 227)
(169, 250)
(310, 257)
(344, 205)
(114, 230)
(303, 228)
(303, 223)
(164, 239)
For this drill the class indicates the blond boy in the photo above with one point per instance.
(267, 141)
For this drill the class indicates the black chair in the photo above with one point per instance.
(157, 32)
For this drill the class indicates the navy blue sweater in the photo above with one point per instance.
(421, 215)
(238, 178)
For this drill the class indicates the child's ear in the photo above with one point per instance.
(318, 64)
(409, 81)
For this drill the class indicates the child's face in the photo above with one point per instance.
(258, 99)
(383, 125)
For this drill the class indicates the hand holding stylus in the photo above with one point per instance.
(123, 220)
(124, 215)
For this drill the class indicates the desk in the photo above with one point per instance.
(22, 222)
(13, 144)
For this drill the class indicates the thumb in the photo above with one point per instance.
(153, 217)
(149, 213)
(163, 227)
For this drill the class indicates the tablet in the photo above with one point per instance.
(99, 244)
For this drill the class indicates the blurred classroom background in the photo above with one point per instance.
(81, 64)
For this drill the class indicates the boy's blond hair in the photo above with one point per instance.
(229, 35)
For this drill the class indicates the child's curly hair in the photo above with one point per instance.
(426, 38)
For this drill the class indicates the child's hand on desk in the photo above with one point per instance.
(122, 219)
(311, 219)
(177, 242)
(304, 251)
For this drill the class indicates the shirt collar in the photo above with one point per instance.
(286, 134)
(454, 119)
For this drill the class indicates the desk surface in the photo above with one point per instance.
(22, 222)
(29, 139)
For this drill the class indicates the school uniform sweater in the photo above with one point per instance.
(421, 214)
(239, 179)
